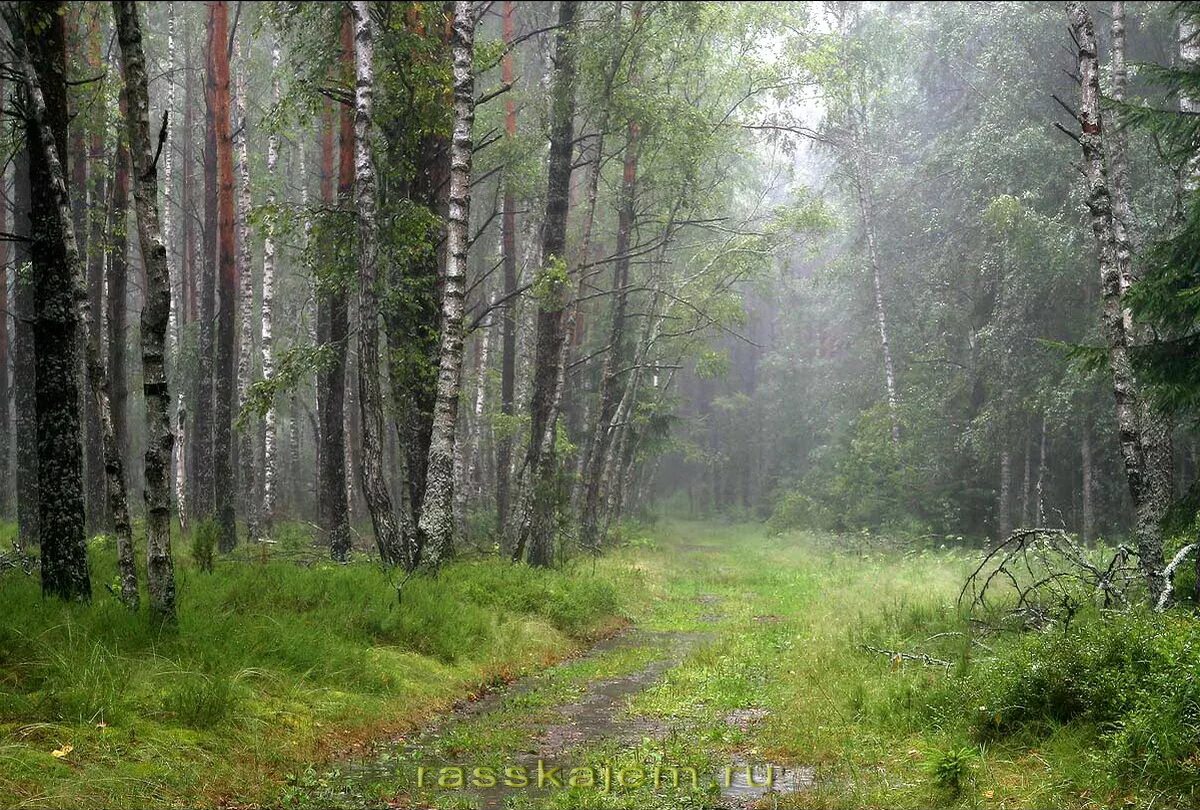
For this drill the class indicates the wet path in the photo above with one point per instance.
(549, 740)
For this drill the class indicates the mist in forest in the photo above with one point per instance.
(363, 357)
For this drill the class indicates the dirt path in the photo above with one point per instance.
(625, 725)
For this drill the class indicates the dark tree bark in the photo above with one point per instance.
(203, 503)
(508, 329)
(92, 251)
(5, 309)
(224, 482)
(117, 299)
(615, 359)
(534, 521)
(24, 360)
(160, 566)
(333, 425)
(39, 39)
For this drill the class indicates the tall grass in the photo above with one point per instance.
(268, 654)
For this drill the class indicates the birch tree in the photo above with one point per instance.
(160, 571)
(1113, 249)
(437, 511)
(392, 547)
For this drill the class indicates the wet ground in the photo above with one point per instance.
(551, 740)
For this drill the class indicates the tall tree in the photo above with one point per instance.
(5, 354)
(116, 300)
(266, 335)
(392, 548)
(160, 569)
(224, 482)
(1113, 248)
(89, 163)
(437, 511)
(24, 361)
(508, 312)
(202, 455)
(333, 326)
(244, 447)
(534, 520)
(39, 44)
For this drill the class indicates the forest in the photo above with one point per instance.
(600, 404)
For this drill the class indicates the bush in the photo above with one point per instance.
(1131, 676)
(200, 700)
(950, 769)
(204, 544)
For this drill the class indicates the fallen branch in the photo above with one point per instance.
(899, 656)
(1169, 572)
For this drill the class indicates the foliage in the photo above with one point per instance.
(268, 659)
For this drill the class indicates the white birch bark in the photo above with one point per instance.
(266, 336)
(155, 319)
(246, 299)
(1112, 245)
(392, 546)
(437, 510)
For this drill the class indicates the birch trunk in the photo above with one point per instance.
(437, 509)
(1112, 245)
(244, 450)
(266, 336)
(392, 548)
(867, 212)
(160, 572)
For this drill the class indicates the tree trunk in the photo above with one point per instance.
(24, 360)
(1004, 506)
(1085, 466)
(334, 323)
(266, 336)
(1113, 249)
(392, 548)
(187, 286)
(616, 357)
(117, 297)
(224, 483)
(534, 523)
(508, 313)
(243, 451)
(1039, 489)
(39, 44)
(160, 567)
(93, 255)
(5, 309)
(867, 212)
(437, 510)
(203, 459)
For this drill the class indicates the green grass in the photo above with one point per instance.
(283, 664)
(274, 666)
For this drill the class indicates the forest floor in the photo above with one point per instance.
(706, 650)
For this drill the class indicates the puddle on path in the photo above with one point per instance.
(749, 783)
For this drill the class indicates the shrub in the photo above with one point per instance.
(950, 769)
(204, 544)
(1130, 676)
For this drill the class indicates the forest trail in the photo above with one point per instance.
(664, 714)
